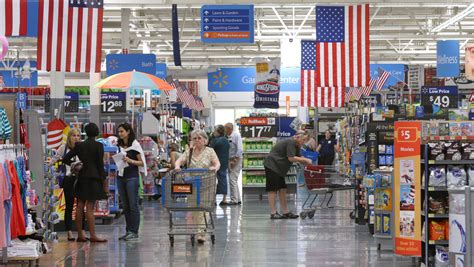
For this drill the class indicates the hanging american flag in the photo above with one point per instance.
(382, 78)
(366, 90)
(70, 35)
(13, 17)
(342, 46)
(357, 93)
(347, 96)
(311, 95)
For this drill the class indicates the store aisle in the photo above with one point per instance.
(245, 237)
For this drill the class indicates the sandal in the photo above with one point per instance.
(290, 215)
(93, 240)
(71, 239)
(276, 216)
(82, 240)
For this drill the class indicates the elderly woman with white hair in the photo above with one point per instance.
(202, 157)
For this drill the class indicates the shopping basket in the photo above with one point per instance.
(190, 190)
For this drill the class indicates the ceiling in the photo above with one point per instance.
(401, 31)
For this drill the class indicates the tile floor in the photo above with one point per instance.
(244, 237)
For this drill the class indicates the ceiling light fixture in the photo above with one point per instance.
(466, 12)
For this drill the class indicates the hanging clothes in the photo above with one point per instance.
(18, 225)
(4, 194)
(108, 129)
(20, 170)
(24, 136)
(7, 203)
(5, 126)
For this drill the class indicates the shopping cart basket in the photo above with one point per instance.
(190, 190)
(322, 180)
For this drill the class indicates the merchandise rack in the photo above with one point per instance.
(112, 179)
(381, 235)
(429, 245)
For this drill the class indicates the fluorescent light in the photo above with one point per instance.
(454, 19)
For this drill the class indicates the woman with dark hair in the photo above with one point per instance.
(221, 146)
(90, 180)
(128, 179)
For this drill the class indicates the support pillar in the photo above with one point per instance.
(125, 24)
(94, 94)
(57, 94)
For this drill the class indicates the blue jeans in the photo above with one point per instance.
(128, 190)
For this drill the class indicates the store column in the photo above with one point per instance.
(56, 101)
(94, 95)
(125, 24)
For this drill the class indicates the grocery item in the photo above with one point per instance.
(470, 170)
(438, 230)
(441, 257)
(436, 151)
(456, 176)
(453, 151)
(468, 151)
(437, 176)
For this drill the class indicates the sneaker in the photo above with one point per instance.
(125, 236)
(276, 216)
(290, 215)
(131, 237)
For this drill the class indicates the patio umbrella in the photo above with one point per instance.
(134, 80)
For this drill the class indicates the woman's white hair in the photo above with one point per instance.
(199, 132)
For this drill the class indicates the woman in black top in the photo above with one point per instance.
(89, 186)
(128, 179)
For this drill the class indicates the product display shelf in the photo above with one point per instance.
(429, 245)
(111, 170)
(383, 209)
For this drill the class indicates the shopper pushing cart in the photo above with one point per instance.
(193, 189)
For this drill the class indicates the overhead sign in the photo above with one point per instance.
(227, 24)
(71, 102)
(407, 188)
(28, 75)
(161, 70)
(284, 127)
(117, 63)
(267, 85)
(447, 58)
(443, 96)
(175, 109)
(397, 73)
(113, 102)
(243, 80)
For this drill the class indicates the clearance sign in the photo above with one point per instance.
(407, 188)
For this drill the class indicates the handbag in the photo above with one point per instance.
(189, 160)
(76, 167)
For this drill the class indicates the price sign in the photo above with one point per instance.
(258, 131)
(113, 102)
(443, 96)
(258, 127)
(71, 102)
(407, 134)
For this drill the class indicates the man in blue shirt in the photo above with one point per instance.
(327, 149)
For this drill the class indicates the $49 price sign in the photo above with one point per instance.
(443, 96)
(113, 102)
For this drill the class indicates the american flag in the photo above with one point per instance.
(357, 93)
(382, 78)
(311, 95)
(342, 46)
(366, 90)
(13, 17)
(70, 35)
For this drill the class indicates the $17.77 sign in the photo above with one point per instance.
(113, 102)
(443, 96)
(258, 127)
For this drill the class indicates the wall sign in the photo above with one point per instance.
(243, 80)
(117, 63)
(258, 127)
(71, 102)
(443, 96)
(227, 24)
(447, 58)
(113, 102)
(407, 187)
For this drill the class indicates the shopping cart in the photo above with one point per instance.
(322, 180)
(190, 190)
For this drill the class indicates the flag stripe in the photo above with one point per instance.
(351, 49)
(65, 44)
(23, 17)
(49, 34)
(39, 50)
(9, 17)
(60, 33)
(54, 41)
(87, 52)
(15, 17)
(75, 16)
(83, 46)
(359, 45)
(98, 47)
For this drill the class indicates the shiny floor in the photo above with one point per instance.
(245, 236)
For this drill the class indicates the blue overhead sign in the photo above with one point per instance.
(243, 80)
(161, 70)
(227, 24)
(447, 58)
(397, 73)
(28, 76)
(117, 63)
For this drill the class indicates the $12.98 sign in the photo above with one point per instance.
(113, 102)
(258, 127)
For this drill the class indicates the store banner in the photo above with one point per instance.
(243, 80)
(267, 85)
(397, 73)
(447, 58)
(407, 187)
(27, 77)
(469, 62)
(117, 63)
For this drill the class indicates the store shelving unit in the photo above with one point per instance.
(253, 171)
(383, 209)
(111, 169)
(440, 191)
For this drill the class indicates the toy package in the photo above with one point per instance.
(389, 149)
(389, 160)
(382, 160)
(386, 229)
(378, 223)
(457, 176)
(466, 129)
(454, 129)
(443, 129)
(382, 149)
